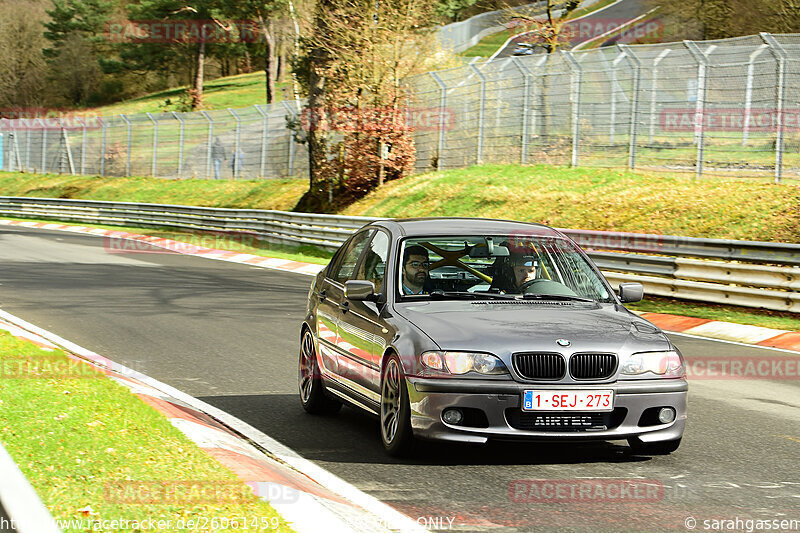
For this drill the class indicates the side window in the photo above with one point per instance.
(373, 267)
(344, 270)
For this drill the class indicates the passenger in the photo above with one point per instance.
(415, 270)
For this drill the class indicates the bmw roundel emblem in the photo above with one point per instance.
(563, 342)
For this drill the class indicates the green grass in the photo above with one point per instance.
(78, 440)
(280, 194)
(598, 199)
(238, 91)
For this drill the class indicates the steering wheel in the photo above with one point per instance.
(546, 287)
(530, 283)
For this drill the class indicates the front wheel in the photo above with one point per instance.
(396, 433)
(312, 391)
(664, 447)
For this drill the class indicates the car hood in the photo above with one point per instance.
(504, 328)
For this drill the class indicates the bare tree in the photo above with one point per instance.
(22, 68)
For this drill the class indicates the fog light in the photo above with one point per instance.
(666, 415)
(453, 416)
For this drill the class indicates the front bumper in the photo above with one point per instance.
(500, 402)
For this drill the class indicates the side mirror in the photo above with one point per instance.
(360, 290)
(631, 292)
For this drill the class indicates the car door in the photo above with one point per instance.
(361, 339)
(331, 297)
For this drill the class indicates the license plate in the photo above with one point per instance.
(568, 400)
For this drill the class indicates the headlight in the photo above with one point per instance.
(463, 362)
(667, 364)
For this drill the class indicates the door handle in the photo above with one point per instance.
(344, 306)
(322, 295)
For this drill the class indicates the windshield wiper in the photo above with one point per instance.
(560, 297)
(466, 295)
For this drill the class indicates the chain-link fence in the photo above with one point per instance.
(241, 143)
(725, 107)
(729, 107)
(460, 36)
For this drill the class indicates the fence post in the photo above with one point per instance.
(637, 83)
(614, 84)
(65, 144)
(264, 132)
(83, 145)
(780, 57)
(155, 144)
(180, 143)
(14, 138)
(575, 97)
(538, 96)
(699, 112)
(526, 73)
(128, 157)
(44, 145)
(28, 145)
(291, 139)
(235, 157)
(442, 109)
(210, 137)
(748, 92)
(103, 148)
(654, 91)
(481, 112)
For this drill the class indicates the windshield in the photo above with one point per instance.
(497, 266)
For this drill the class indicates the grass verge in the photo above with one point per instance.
(94, 451)
(231, 91)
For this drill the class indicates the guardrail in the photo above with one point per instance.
(748, 273)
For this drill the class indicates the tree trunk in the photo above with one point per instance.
(269, 58)
(197, 97)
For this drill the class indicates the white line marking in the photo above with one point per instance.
(386, 514)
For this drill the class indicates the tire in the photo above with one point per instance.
(664, 447)
(312, 392)
(395, 419)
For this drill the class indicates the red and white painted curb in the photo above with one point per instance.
(310, 498)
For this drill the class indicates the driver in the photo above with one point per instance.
(415, 269)
(523, 270)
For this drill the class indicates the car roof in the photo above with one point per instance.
(414, 227)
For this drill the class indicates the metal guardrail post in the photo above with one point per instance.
(481, 113)
(210, 138)
(654, 91)
(748, 91)
(103, 148)
(155, 145)
(130, 138)
(291, 140)
(180, 142)
(264, 133)
(236, 156)
(612, 122)
(442, 113)
(637, 84)
(780, 57)
(526, 74)
(575, 97)
(699, 113)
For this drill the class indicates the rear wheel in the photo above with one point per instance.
(312, 391)
(664, 447)
(396, 433)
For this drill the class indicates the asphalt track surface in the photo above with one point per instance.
(615, 15)
(228, 334)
